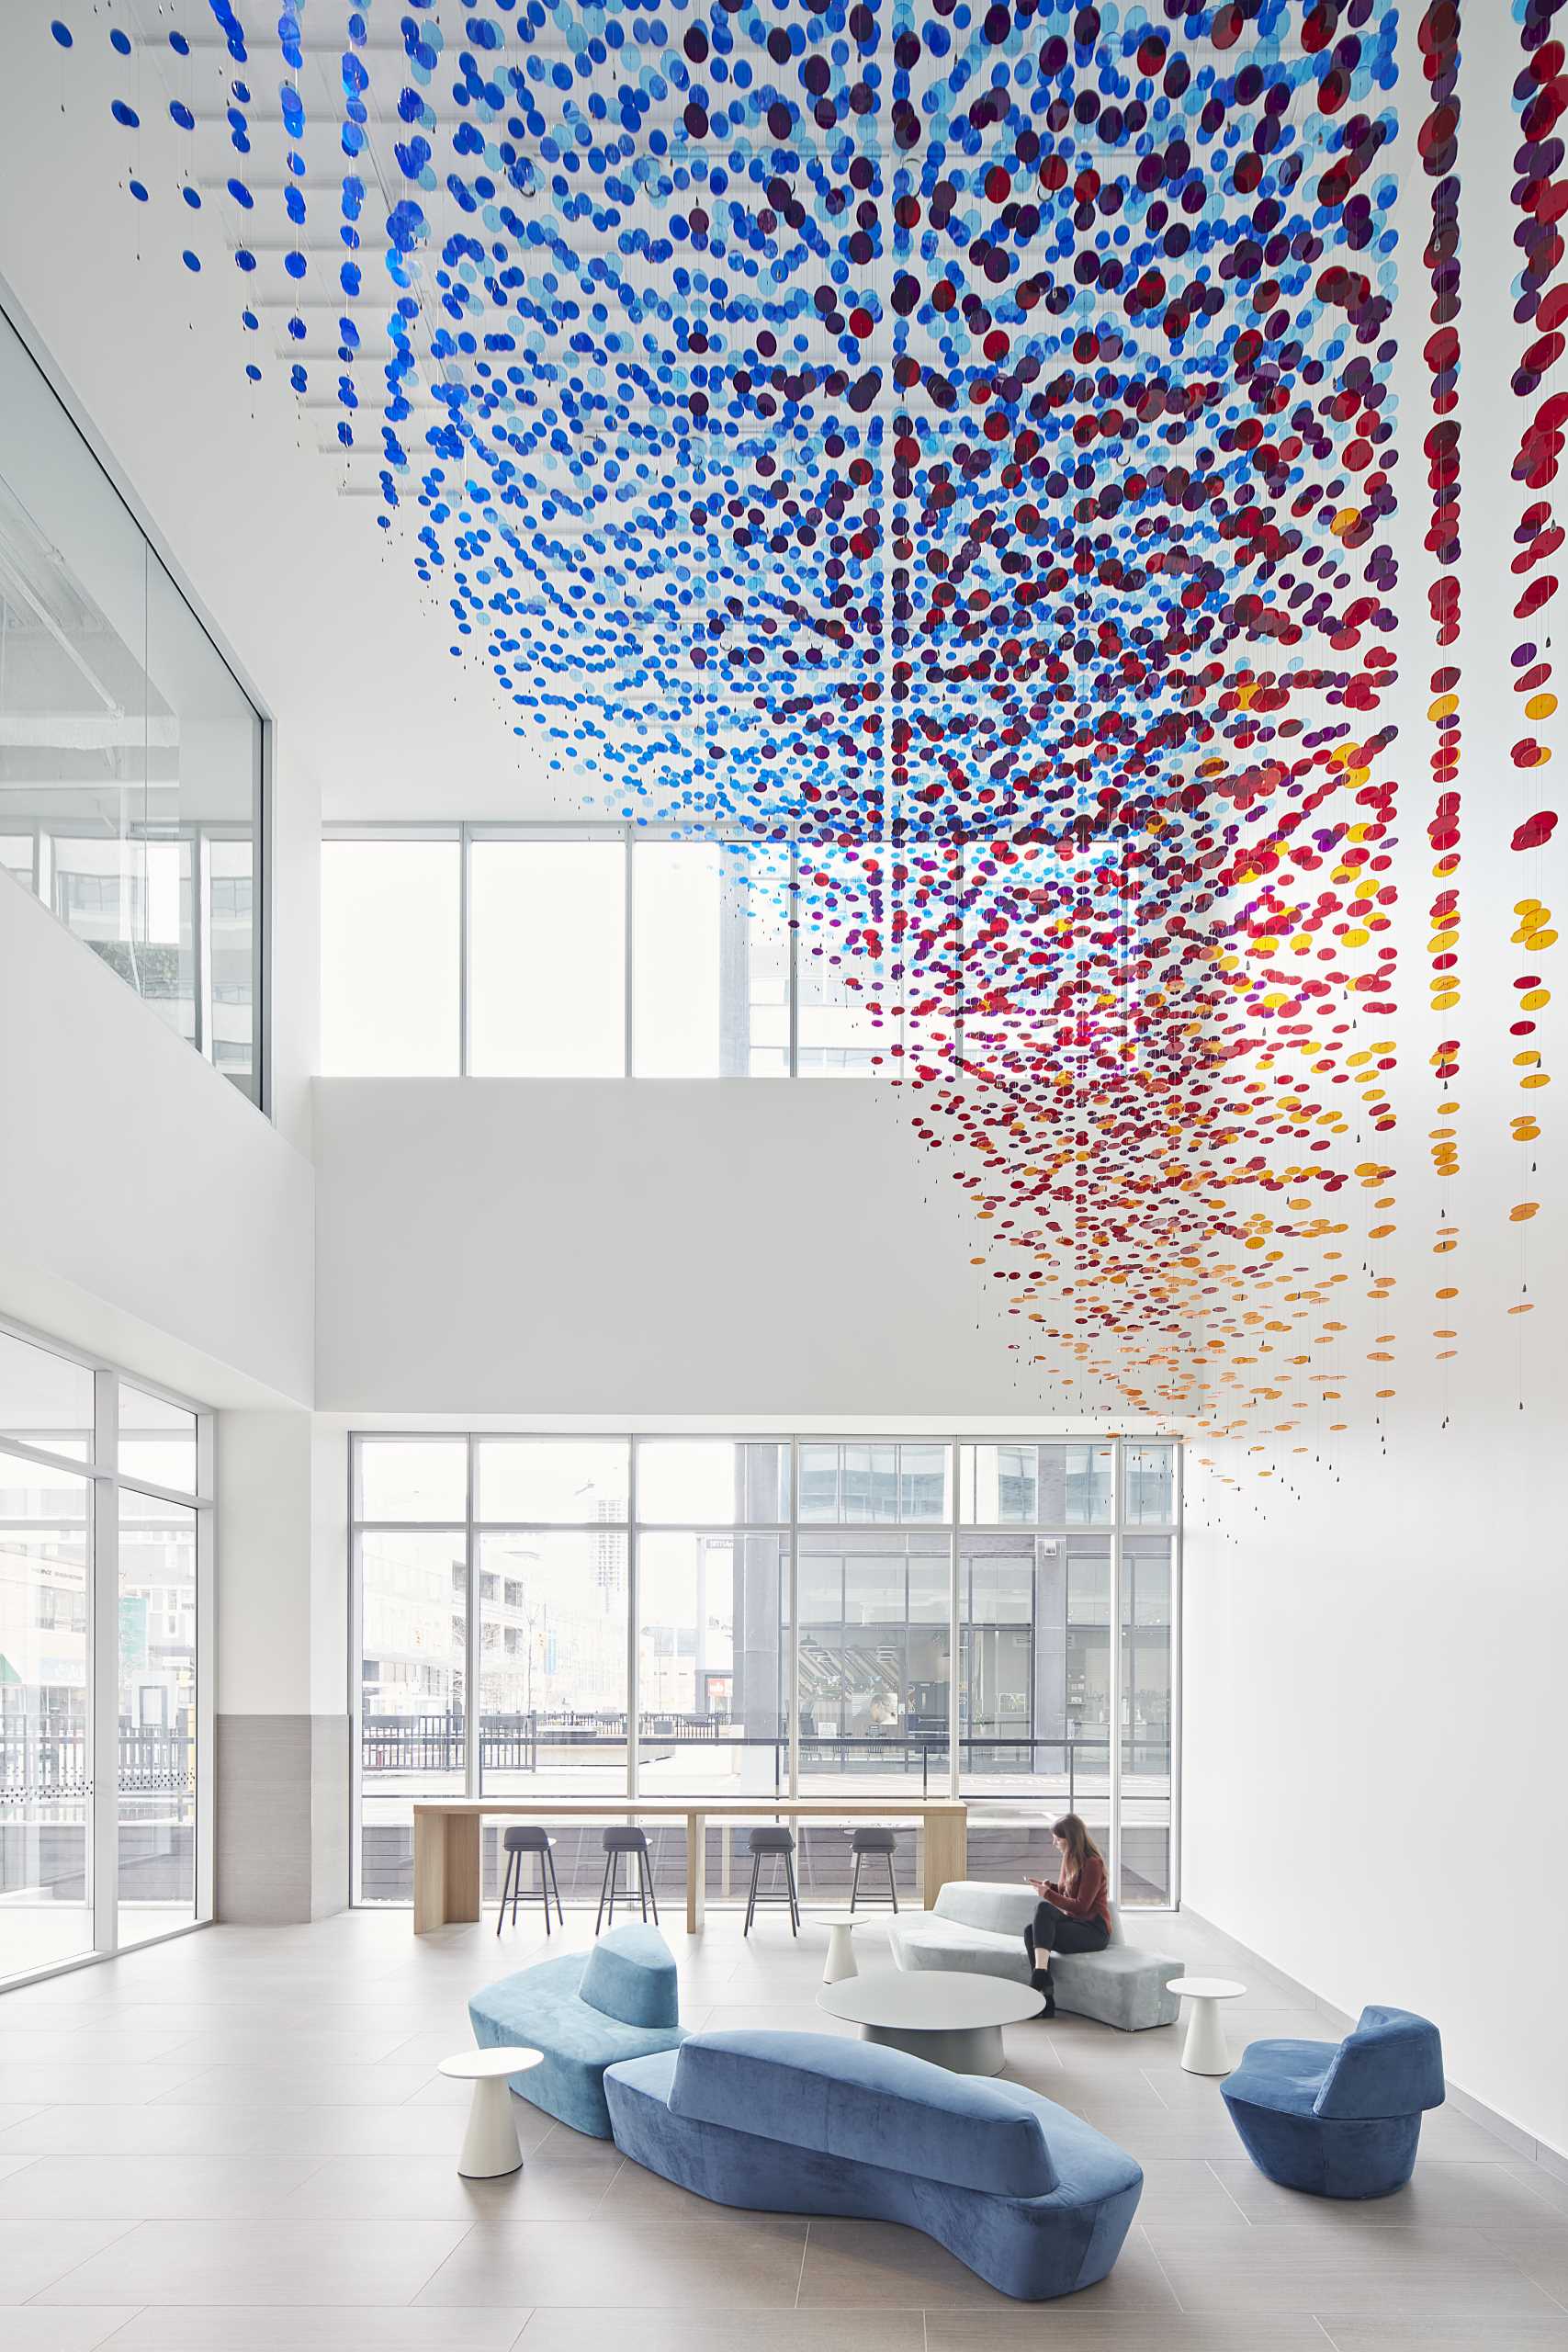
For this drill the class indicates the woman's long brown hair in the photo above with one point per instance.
(1080, 1843)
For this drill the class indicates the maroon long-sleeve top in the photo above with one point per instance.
(1090, 1894)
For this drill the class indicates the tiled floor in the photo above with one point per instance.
(239, 2142)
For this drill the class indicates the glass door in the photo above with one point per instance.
(104, 1567)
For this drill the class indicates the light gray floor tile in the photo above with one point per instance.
(226, 2199)
(34, 2253)
(1461, 2196)
(337, 2327)
(59, 2082)
(176, 2189)
(282, 2262)
(1067, 2326)
(441, 2090)
(1252, 2025)
(561, 2144)
(253, 2130)
(1129, 2091)
(1151, 2131)
(430, 2188)
(1033, 2063)
(1548, 2186)
(253, 2041)
(99, 2043)
(1402, 2273)
(39, 2328)
(427, 2048)
(1436, 2334)
(1184, 2094)
(639, 2196)
(637, 2267)
(1541, 2253)
(849, 2264)
(1448, 2136)
(283, 2084)
(1186, 2192)
(604, 2330)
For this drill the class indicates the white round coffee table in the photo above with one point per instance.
(490, 2143)
(1204, 2050)
(954, 2018)
(841, 1961)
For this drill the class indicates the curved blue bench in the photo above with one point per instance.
(584, 2011)
(1024, 2193)
(1340, 2118)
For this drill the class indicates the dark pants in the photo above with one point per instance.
(1053, 1931)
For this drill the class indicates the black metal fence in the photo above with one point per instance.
(47, 1759)
(416, 1746)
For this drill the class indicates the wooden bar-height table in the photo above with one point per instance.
(446, 1838)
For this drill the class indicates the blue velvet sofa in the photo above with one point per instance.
(584, 2011)
(1025, 2193)
(1340, 2118)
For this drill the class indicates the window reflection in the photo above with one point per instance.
(130, 758)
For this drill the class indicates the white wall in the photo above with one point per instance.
(1374, 1701)
(282, 1565)
(1376, 1618)
(146, 1210)
(521, 1246)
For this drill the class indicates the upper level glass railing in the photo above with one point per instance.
(130, 756)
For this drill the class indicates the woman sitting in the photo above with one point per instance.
(1074, 1911)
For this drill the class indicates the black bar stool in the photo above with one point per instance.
(529, 1840)
(874, 1841)
(777, 1842)
(617, 1843)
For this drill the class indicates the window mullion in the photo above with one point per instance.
(465, 845)
(793, 936)
(103, 1650)
(471, 1642)
(955, 1629)
(629, 1046)
(792, 1685)
(634, 1618)
(1114, 1670)
(206, 1534)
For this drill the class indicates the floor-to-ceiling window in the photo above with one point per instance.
(748, 1616)
(727, 957)
(106, 1575)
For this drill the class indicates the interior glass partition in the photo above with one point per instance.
(747, 1617)
(130, 759)
(105, 1578)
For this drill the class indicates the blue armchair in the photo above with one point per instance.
(1340, 2119)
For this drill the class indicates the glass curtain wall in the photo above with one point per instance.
(747, 1617)
(443, 948)
(129, 757)
(104, 1698)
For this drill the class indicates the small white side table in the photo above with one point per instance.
(841, 1961)
(1204, 2052)
(490, 2143)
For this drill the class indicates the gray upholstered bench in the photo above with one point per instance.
(979, 1926)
